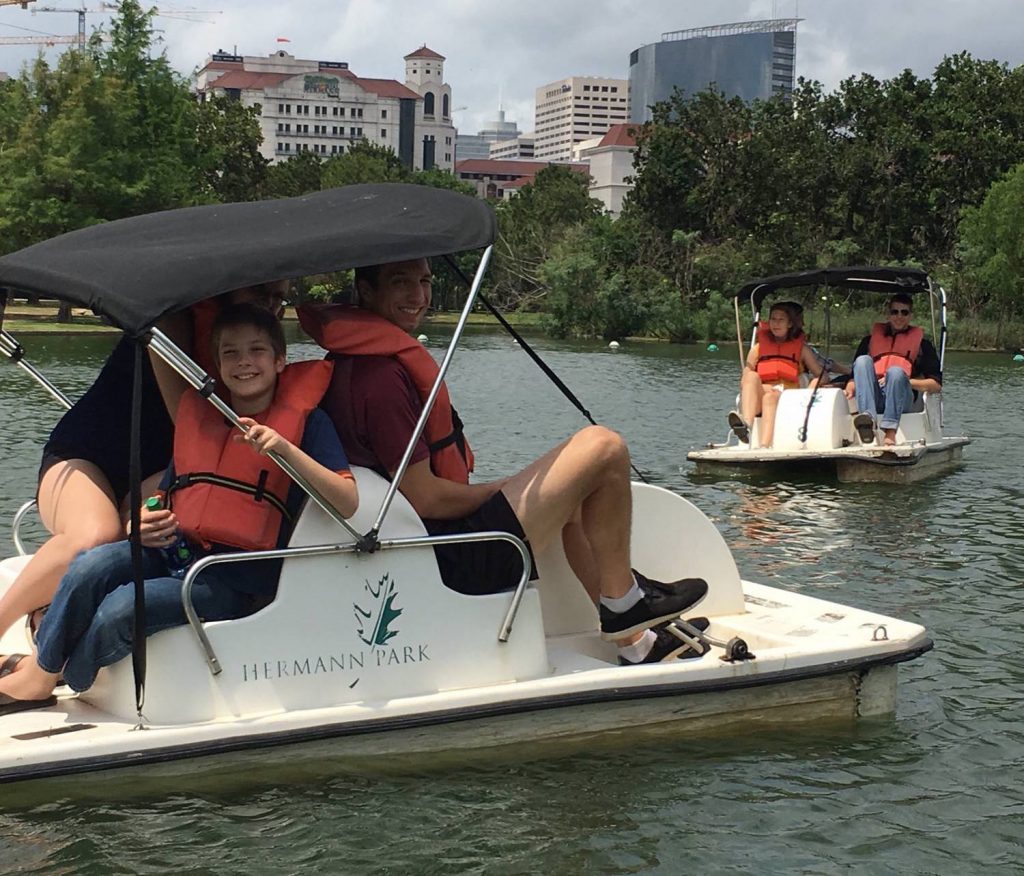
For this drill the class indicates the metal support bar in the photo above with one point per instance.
(10, 347)
(176, 358)
(321, 550)
(19, 515)
(429, 404)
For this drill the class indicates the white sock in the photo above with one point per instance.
(640, 648)
(623, 603)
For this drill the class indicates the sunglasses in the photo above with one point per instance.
(899, 311)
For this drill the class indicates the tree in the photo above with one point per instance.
(991, 247)
(230, 166)
(531, 224)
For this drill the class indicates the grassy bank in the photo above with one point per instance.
(847, 327)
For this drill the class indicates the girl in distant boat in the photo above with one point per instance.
(775, 362)
(83, 478)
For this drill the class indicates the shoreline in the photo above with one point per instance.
(40, 321)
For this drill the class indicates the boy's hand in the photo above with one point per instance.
(262, 438)
(157, 529)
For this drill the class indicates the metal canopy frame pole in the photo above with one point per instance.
(176, 358)
(428, 406)
(10, 347)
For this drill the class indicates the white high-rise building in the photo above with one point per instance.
(576, 109)
(324, 108)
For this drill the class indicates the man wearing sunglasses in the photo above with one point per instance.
(892, 365)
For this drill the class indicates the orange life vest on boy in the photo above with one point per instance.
(894, 350)
(351, 331)
(224, 492)
(778, 361)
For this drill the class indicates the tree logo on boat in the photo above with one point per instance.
(375, 622)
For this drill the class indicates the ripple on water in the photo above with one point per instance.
(936, 790)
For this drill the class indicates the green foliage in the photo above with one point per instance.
(229, 164)
(531, 225)
(992, 248)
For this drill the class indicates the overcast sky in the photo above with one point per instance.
(499, 52)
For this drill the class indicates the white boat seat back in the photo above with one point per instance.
(344, 628)
(828, 425)
(671, 539)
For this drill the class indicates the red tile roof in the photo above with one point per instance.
(386, 88)
(619, 135)
(424, 52)
(502, 166)
(246, 80)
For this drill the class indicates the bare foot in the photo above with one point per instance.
(889, 438)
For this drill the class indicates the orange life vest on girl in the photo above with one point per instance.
(778, 361)
(352, 331)
(894, 350)
(224, 492)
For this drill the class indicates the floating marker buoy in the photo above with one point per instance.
(1019, 357)
(614, 345)
(421, 338)
(712, 348)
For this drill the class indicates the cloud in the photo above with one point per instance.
(505, 51)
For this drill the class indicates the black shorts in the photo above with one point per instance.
(52, 456)
(477, 568)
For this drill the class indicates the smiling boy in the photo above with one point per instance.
(223, 495)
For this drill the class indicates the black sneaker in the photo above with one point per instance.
(739, 427)
(660, 603)
(669, 646)
(683, 585)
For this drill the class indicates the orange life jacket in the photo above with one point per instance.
(204, 313)
(779, 361)
(894, 350)
(225, 492)
(352, 331)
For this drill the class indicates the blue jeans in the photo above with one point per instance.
(890, 400)
(90, 622)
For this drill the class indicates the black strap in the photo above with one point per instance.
(258, 491)
(135, 539)
(533, 355)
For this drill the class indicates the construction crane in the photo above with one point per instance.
(105, 7)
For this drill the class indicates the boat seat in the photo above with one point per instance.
(343, 628)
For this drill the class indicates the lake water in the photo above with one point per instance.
(937, 789)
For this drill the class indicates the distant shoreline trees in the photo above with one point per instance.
(927, 172)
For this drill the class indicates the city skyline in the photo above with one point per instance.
(499, 55)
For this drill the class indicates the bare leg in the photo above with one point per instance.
(76, 504)
(769, 405)
(586, 477)
(581, 557)
(751, 392)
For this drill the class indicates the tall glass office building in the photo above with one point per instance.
(749, 59)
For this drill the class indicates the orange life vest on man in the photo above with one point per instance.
(352, 331)
(778, 361)
(224, 492)
(894, 350)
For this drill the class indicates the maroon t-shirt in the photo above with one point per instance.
(375, 408)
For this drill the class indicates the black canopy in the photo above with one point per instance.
(869, 278)
(133, 271)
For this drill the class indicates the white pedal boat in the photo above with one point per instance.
(814, 430)
(366, 647)
(431, 674)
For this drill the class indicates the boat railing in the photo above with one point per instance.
(19, 517)
(196, 624)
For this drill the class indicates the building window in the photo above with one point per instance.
(383, 114)
(287, 107)
(280, 107)
(359, 111)
(383, 133)
(428, 103)
(444, 105)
